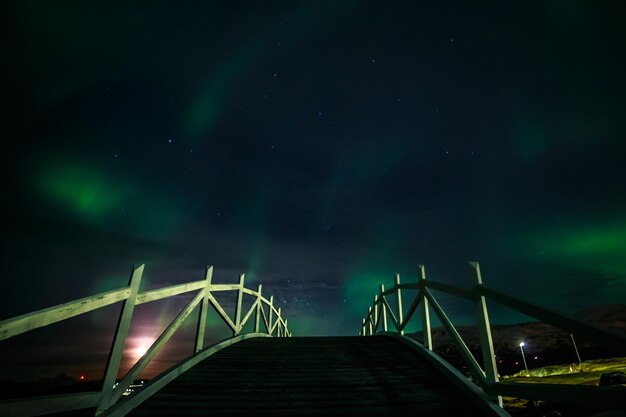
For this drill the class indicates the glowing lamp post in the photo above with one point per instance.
(576, 349)
(521, 346)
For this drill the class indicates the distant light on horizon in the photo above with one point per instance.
(140, 351)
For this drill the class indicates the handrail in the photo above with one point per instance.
(130, 297)
(487, 376)
(607, 338)
(31, 321)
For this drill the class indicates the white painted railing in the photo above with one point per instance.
(486, 376)
(130, 297)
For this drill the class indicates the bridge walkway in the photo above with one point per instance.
(311, 376)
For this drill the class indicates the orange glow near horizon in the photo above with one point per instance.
(140, 351)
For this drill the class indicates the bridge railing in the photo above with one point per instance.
(129, 296)
(381, 312)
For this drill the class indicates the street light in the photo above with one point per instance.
(521, 346)
(576, 349)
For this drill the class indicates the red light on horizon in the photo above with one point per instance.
(82, 377)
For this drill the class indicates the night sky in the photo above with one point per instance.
(319, 147)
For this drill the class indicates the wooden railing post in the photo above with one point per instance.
(204, 305)
(369, 316)
(106, 401)
(362, 327)
(484, 330)
(278, 323)
(428, 338)
(257, 317)
(242, 278)
(382, 305)
(269, 331)
(121, 331)
(399, 293)
(376, 313)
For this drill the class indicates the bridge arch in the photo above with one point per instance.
(268, 321)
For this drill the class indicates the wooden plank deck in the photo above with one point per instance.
(311, 376)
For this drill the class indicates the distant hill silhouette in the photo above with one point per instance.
(544, 344)
(609, 315)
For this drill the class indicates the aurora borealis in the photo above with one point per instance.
(319, 147)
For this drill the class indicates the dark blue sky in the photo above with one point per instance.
(318, 147)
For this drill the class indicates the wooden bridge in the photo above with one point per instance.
(312, 376)
(268, 372)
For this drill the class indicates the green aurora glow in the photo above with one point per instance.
(164, 136)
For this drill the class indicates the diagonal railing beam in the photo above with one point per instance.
(204, 306)
(267, 325)
(463, 349)
(220, 311)
(393, 318)
(130, 297)
(411, 310)
(277, 322)
(489, 379)
(257, 315)
(248, 314)
(375, 311)
(134, 372)
(119, 338)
